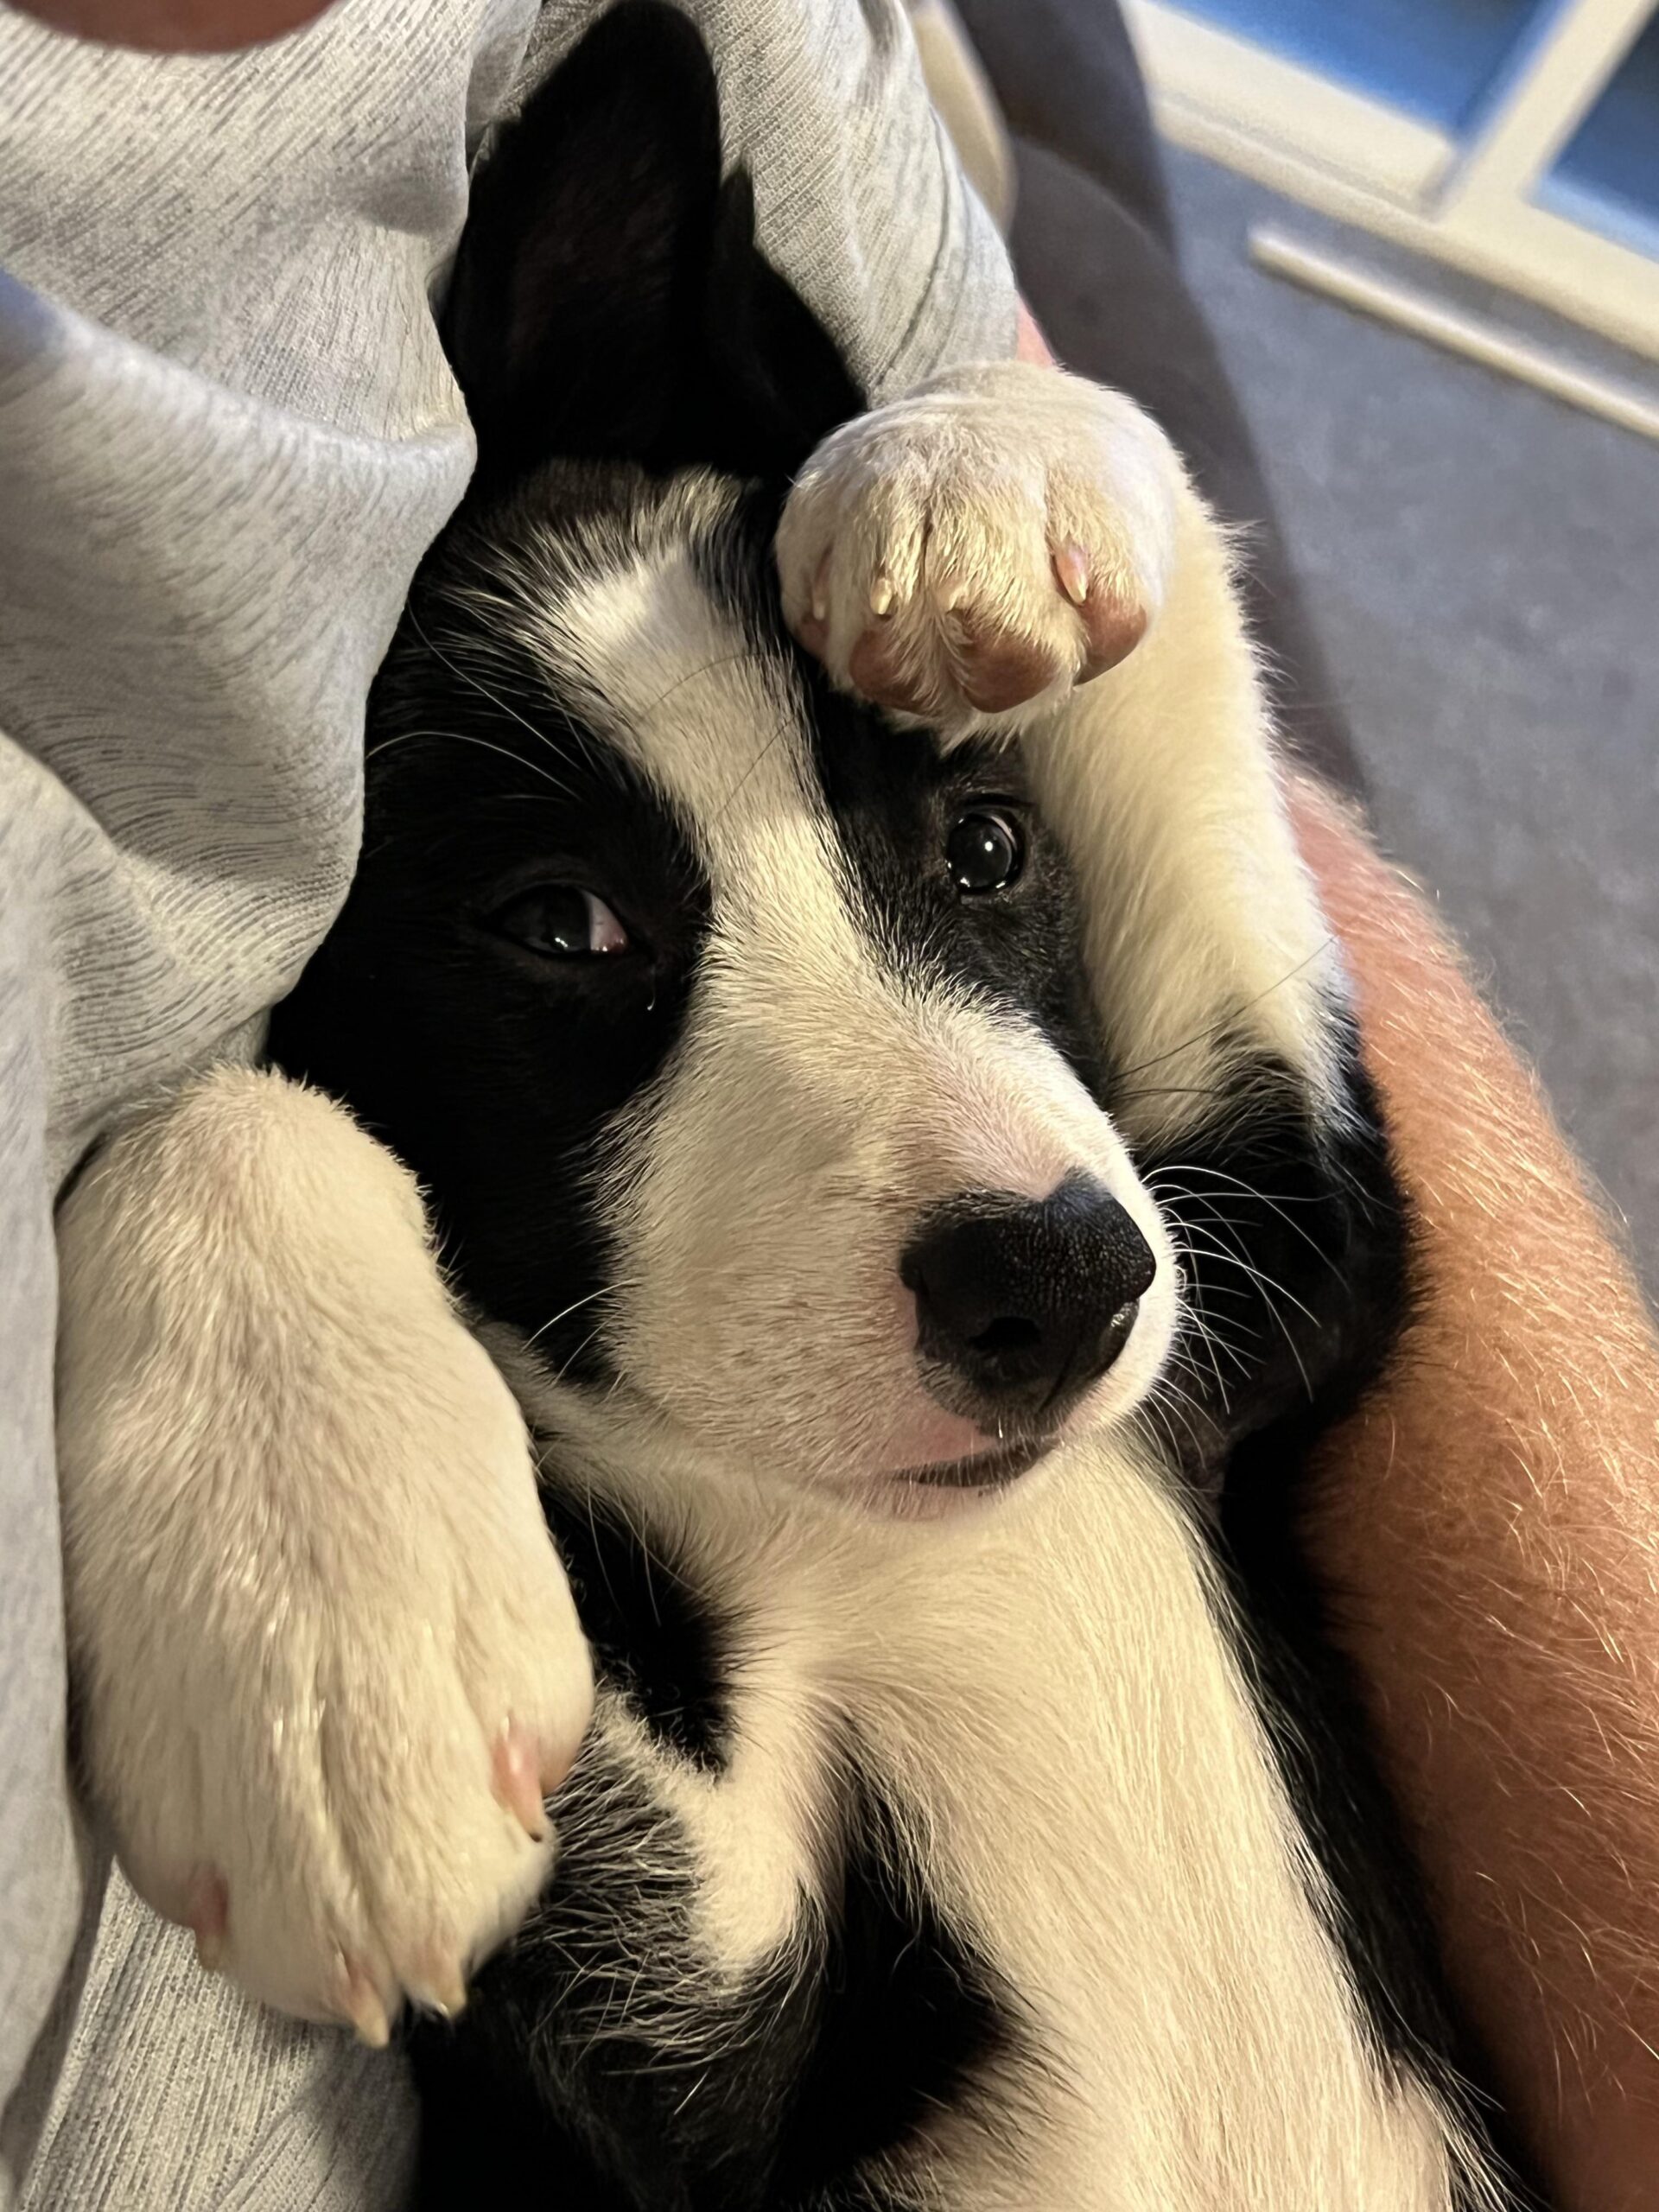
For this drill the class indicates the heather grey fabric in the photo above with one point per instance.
(226, 435)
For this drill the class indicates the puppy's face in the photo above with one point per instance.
(741, 1038)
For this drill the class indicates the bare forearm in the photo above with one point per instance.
(175, 26)
(1489, 1527)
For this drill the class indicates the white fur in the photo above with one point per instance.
(1044, 1687)
(309, 1580)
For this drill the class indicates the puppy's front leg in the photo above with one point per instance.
(1012, 552)
(325, 1658)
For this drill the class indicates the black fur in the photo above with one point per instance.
(702, 355)
(609, 300)
(655, 1636)
(575, 2071)
(894, 797)
(492, 1072)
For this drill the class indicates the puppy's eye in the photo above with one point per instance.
(560, 921)
(984, 851)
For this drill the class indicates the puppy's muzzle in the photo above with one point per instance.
(1020, 1303)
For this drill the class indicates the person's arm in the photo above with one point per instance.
(1489, 1526)
(175, 26)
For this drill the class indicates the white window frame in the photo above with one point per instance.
(1467, 202)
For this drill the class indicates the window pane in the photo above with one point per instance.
(1608, 177)
(1433, 58)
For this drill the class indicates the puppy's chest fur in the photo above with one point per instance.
(945, 1867)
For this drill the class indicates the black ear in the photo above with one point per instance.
(608, 299)
(772, 382)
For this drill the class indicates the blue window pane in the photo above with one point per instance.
(1608, 176)
(1433, 58)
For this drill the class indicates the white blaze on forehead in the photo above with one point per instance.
(677, 684)
(719, 727)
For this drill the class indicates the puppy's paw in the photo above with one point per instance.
(977, 547)
(327, 1663)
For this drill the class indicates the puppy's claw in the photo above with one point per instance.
(437, 1985)
(810, 623)
(881, 598)
(1113, 624)
(1071, 567)
(207, 1914)
(517, 1775)
(361, 2007)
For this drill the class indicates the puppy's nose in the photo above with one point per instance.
(1027, 1301)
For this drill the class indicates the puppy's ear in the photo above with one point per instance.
(578, 283)
(774, 382)
(608, 299)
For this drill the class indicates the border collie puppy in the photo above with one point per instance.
(886, 1103)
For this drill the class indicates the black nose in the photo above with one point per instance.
(1026, 1301)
